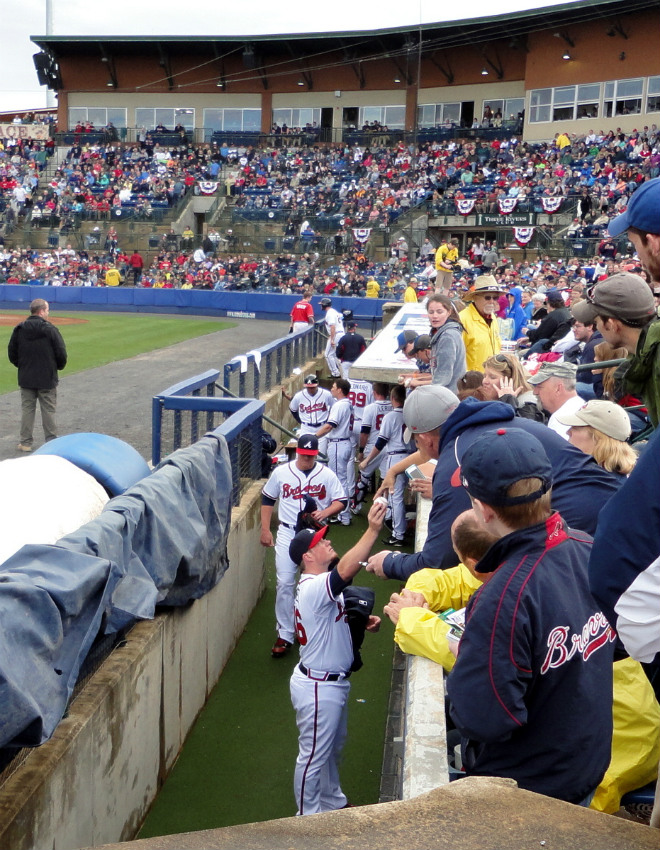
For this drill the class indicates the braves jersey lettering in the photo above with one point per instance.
(312, 409)
(291, 486)
(315, 491)
(562, 646)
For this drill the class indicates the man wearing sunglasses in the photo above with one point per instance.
(481, 334)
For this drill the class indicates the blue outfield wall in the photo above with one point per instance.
(238, 305)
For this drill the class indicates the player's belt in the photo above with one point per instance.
(398, 453)
(338, 439)
(322, 677)
(287, 525)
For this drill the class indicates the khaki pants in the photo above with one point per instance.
(444, 281)
(47, 403)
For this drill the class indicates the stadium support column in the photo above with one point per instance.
(266, 111)
(411, 107)
(62, 110)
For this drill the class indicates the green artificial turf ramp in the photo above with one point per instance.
(237, 763)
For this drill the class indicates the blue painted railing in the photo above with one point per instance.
(259, 370)
(193, 403)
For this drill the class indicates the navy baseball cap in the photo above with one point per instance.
(498, 459)
(422, 343)
(403, 339)
(643, 210)
(304, 541)
(308, 444)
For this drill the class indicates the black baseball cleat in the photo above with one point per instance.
(280, 648)
(394, 541)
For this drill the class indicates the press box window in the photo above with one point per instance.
(623, 97)
(653, 95)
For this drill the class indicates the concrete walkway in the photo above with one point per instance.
(472, 814)
(116, 399)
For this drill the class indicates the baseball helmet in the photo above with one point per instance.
(326, 302)
(347, 314)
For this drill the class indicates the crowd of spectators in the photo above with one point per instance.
(347, 186)
(21, 163)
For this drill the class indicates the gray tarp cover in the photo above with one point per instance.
(163, 542)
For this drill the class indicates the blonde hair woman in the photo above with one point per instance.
(601, 429)
(602, 352)
(506, 380)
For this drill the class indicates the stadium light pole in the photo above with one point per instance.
(50, 95)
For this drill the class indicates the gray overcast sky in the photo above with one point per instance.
(18, 81)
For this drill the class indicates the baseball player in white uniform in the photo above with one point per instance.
(319, 684)
(338, 430)
(334, 325)
(372, 419)
(391, 439)
(292, 483)
(311, 408)
(360, 396)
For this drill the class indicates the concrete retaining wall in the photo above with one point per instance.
(94, 781)
(425, 764)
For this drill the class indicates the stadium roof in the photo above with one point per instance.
(434, 36)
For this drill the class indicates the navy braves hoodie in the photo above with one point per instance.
(580, 489)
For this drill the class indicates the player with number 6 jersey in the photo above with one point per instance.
(319, 684)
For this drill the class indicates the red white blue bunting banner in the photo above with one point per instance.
(507, 205)
(361, 234)
(465, 205)
(208, 187)
(523, 235)
(551, 205)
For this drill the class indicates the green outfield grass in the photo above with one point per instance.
(103, 338)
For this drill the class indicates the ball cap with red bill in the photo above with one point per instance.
(498, 459)
(308, 444)
(304, 541)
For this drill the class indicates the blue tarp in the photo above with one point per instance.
(163, 542)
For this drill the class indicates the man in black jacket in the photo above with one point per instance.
(36, 347)
(555, 325)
